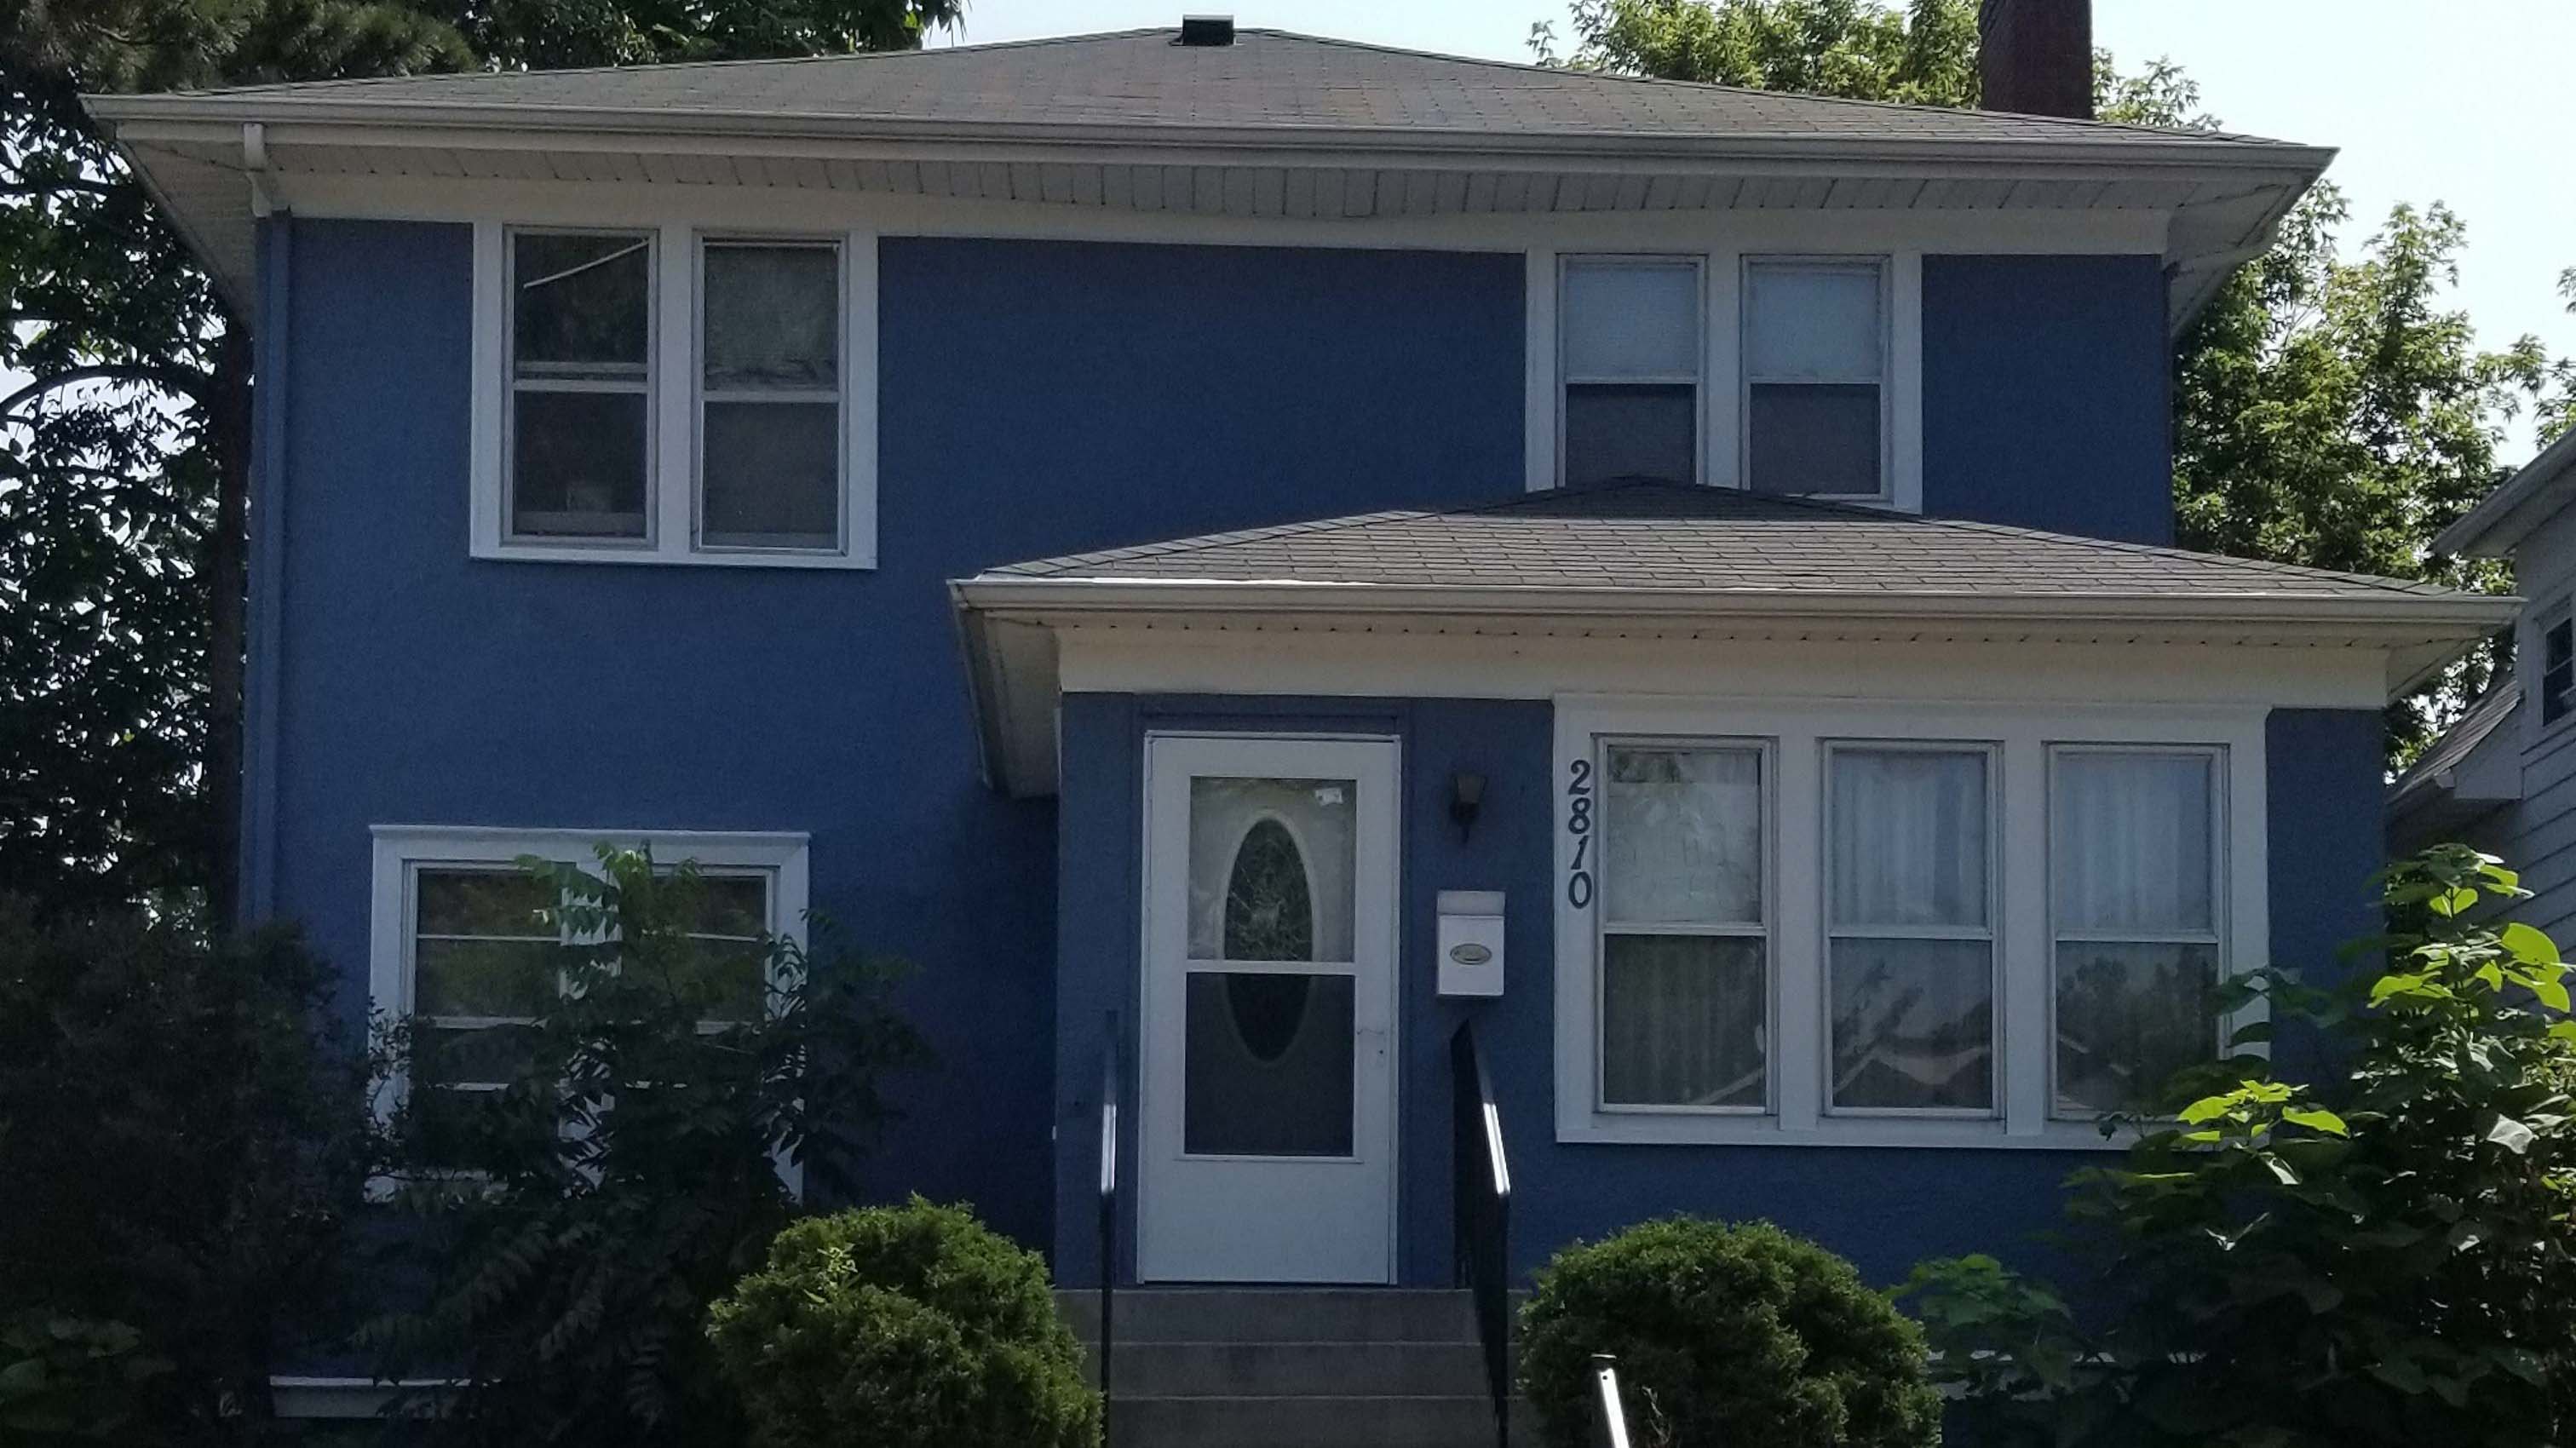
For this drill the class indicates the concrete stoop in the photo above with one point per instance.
(1295, 1368)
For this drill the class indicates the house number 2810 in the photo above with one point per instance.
(1578, 824)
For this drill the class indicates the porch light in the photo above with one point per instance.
(1466, 800)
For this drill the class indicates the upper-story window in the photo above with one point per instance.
(655, 395)
(1633, 349)
(1815, 371)
(1789, 392)
(2557, 664)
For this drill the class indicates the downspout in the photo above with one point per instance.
(264, 637)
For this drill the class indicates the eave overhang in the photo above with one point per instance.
(217, 161)
(1010, 628)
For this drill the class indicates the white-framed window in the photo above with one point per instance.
(669, 394)
(1815, 395)
(1910, 928)
(1936, 924)
(2137, 851)
(2554, 681)
(457, 947)
(1685, 940)
(1632, 336)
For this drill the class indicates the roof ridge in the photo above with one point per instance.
(1910, 107)
(733, 62)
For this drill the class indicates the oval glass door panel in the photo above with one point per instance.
(1268, 1054)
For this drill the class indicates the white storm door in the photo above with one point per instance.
(1267, 1118)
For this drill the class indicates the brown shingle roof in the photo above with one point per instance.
(1662, 538)
(1268, 79)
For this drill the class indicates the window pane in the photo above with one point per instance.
(2128, 1018)
(2131, 849)
(483, 902)
(1811, 323)
(1913, 1024)
(577, 464)
(773, 317)
(1267, 1069)
(772, 474)
(1682, 837)
(2557, 670)
(1909, 837)
(1614, 433)
(735, 905)
(482, 1056)
(1815, 438)
(1684, 1021)
(723, 978)
(581, 304)
(485, 977)
(1272, 865)
(1631, 319)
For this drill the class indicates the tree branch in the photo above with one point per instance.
(192, 385)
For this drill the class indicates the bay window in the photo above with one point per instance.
(1938, 925)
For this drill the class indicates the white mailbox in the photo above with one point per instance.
(1471, 942)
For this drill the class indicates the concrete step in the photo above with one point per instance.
(1282, 1369)
(1312, 1422)
(1277, 1314)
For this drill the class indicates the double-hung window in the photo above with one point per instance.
(664, 396)
(1815, 375)
(581, 386)
(1910, 940)
(1631, 337)
(2134, 855)
(1685, 947)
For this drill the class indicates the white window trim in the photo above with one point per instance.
(2023, 735)
(671, 472)
(1722, 372)
(401, 852)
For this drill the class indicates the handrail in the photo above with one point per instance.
(1109, 1062)
(1481, 1201)
(1609, 1416)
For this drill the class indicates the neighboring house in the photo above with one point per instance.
(2504, 777)
(1744, 601)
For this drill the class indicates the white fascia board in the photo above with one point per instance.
(2520, 504)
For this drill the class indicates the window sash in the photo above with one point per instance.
(1571, 379)
(2215, 784)
(2557, 664)
(707, 396)
(623, 379)
(1749, 376)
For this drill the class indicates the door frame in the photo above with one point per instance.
(1149, 1026)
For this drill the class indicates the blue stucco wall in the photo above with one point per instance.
(1884, 1208)
(1037, 399)
(2046, 394)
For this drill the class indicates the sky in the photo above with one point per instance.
(2459, 101)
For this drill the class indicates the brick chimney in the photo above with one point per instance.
(2035, 57)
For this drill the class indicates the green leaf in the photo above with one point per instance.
(2207, 1108)
(2316, 1119)
(2510, 1134)
(2528, 944)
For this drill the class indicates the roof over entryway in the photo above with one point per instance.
(1659, 560)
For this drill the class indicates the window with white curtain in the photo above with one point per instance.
(1631, 347)
(1910, 952)
(1685, 939)
(769, 420)
(1815, 373)
(2135, 862)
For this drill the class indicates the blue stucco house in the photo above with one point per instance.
(1238, 553)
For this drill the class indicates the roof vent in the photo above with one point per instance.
(1207, 30)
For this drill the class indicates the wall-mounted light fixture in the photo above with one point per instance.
(1466, 799)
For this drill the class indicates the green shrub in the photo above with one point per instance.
(1740, 1335)
(2382, 1258)
(915, 1321)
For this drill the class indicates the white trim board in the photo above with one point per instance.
(2023, 738)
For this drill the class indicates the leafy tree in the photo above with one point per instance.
(182, 1151)
(571, 1227)
(125, 432)
(2380, 1259)
(2328, 410)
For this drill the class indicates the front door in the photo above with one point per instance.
(1268, 1110)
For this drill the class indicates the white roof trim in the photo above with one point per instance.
(2521, 503)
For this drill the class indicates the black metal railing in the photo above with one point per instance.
(1481, 1199)
(1609, 1416)
(1109, 1063)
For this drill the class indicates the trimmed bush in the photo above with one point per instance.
(1740, 1335)
(911, 1327)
